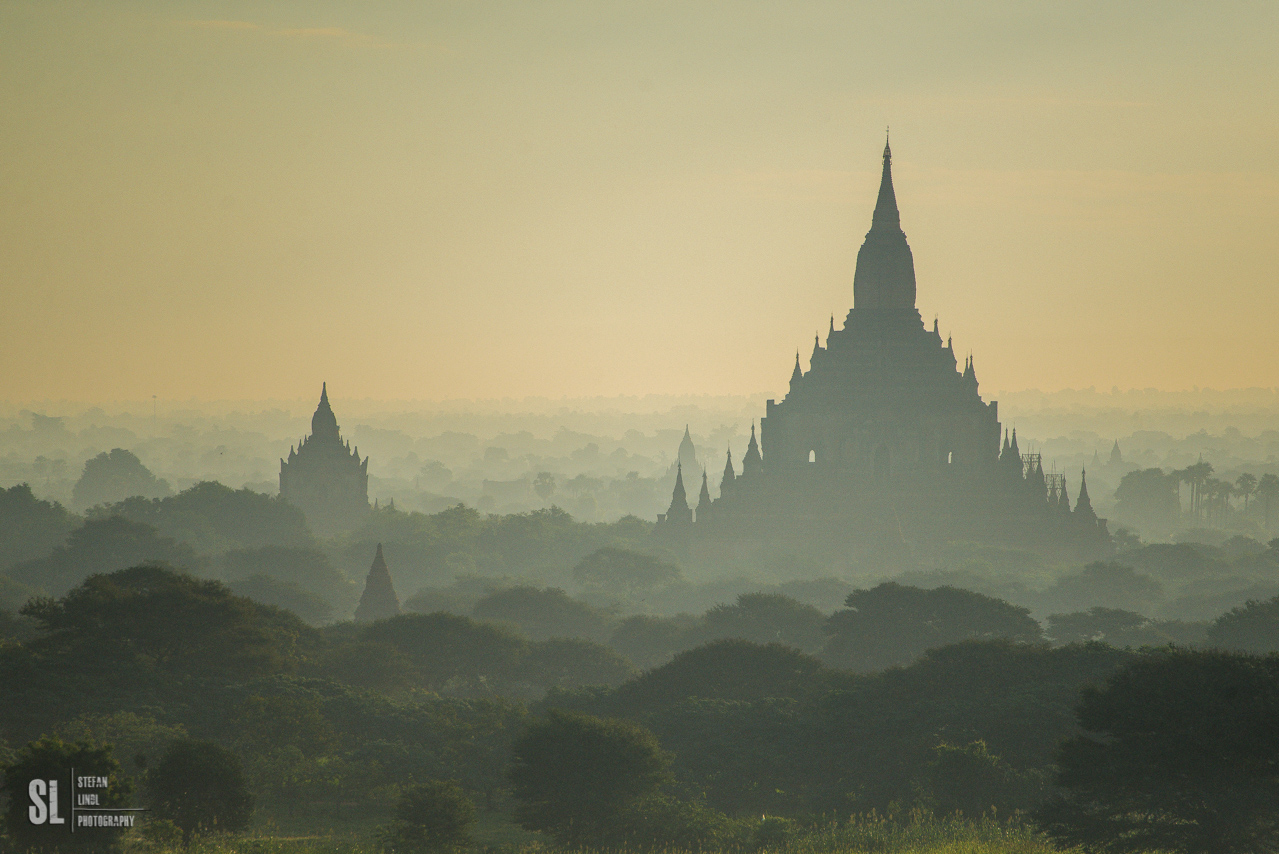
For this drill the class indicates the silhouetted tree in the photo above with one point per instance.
(281, 594)
(431, 816)
(895, 624)
(114, 476)
(572, 663)
(98, 546)
(649, 641)
(624, 572)
(306, 569)
(1245, 486)
(542, 614)
(52, 758)
(1110, 583)
(30, 528)
(159, 617)
(725, 670)
(211, 517)
(971, 780)
(1148, 498)
(1180, 753)
(1121, 628)
(1268, 492)
(766, 618)
(1252, 627)
(544, 485)
(572, 774)
(445, 646)
(285, 720)
(200, 787)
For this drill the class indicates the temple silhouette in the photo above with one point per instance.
(378, 601)
(324, 477)
(885, 442)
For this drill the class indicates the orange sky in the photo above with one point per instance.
(441, 200)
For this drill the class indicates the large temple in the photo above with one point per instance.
(324, 477)
(885, 437)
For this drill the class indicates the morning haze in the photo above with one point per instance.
(435, 201)
(562, 427)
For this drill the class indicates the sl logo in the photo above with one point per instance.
(42, 811)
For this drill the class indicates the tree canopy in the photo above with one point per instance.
(543, 614)
(113, 476)
(158, 616)
(98, 546)
(894, 624)
(1252, 627)
(211, 517)
(1180, 753)
(572, 774)
(51, 758)
(30, 528)
(200, 787)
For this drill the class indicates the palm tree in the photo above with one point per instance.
(1245, 486)
(1196, 475)
(1268, 490)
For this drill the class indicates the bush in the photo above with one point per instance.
(52, 759)
(200, 787)
(573, 774)
(431, 816)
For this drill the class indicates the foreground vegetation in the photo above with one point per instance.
(914, 832)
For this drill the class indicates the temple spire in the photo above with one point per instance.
(886, 205)
(729, 475)
(797, 374)
(378, 602)
(324, 424)
(1083, 506)
(753, 461)
(679, 512)
(703, 498)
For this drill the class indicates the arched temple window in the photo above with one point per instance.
(812, 456)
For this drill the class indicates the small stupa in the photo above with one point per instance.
(379, 600)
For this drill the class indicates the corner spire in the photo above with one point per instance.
(726, 482)
(753, 461)
(703, 498)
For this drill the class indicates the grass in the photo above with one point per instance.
(912, 833)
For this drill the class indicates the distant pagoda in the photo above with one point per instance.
(324, 478)
(379, 601)
(884, 446)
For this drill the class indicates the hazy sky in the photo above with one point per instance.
(472, 199)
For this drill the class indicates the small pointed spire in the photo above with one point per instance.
(378, 602)
(832, 330)
(729, 475)
(797, 374)
(679, 512)
(753, 461)
(703, 497)
(1083, 505)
